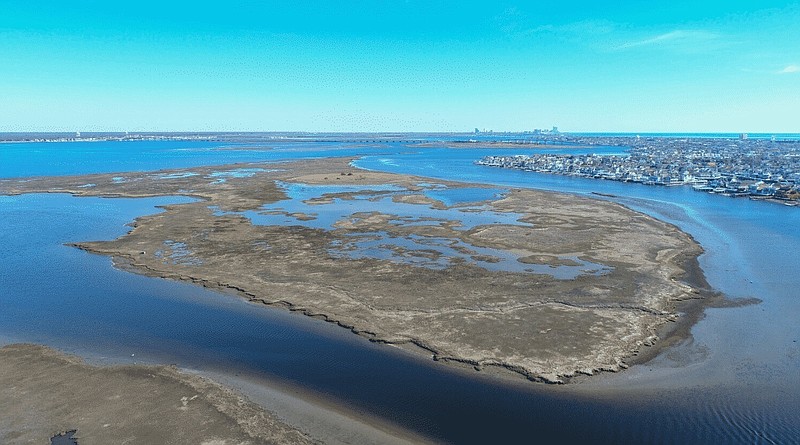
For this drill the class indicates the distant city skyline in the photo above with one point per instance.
(665, 66)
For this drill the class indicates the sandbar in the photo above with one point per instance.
(44, 393)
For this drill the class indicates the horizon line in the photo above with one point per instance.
(534, 131)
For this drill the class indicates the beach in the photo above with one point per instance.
(45, 393)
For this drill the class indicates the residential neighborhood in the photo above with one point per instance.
(755, 168)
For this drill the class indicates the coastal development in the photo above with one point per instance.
(766, 169)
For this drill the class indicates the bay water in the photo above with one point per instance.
(736, 380)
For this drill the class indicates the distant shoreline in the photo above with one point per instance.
(521, 137)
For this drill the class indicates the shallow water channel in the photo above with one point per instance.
(334, 207)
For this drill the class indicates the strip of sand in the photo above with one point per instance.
(44, 392)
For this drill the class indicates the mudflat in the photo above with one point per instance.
(44, 393)
(421, 281)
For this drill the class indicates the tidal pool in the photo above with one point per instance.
(327, 207)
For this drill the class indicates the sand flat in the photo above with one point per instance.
(44, 393)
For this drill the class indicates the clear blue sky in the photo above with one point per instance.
(394, 65)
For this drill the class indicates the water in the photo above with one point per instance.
(745, 243)
(222, 177)
(467, 195)
(440, 253)
(64, 439)
(738, 355)
(778, 136)
(323, 206)
(736, 381)
(337, 207)
(73, 158)
(78, 302)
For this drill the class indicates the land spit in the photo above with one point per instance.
(537, 325)
(44, 393)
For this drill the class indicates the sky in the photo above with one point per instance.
(400, 65)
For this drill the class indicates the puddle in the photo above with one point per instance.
(67, 438)
(440, 253)
(177, 253)
(177, 175)
(263, 245)
(460, 196)
(223, 176)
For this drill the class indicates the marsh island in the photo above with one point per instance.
(544, 285)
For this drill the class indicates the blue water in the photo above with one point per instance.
(749, 246)
(778, 136)
(736, 381)
(74, 158)
(323, 207)
(329, 207)
(222, 177)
